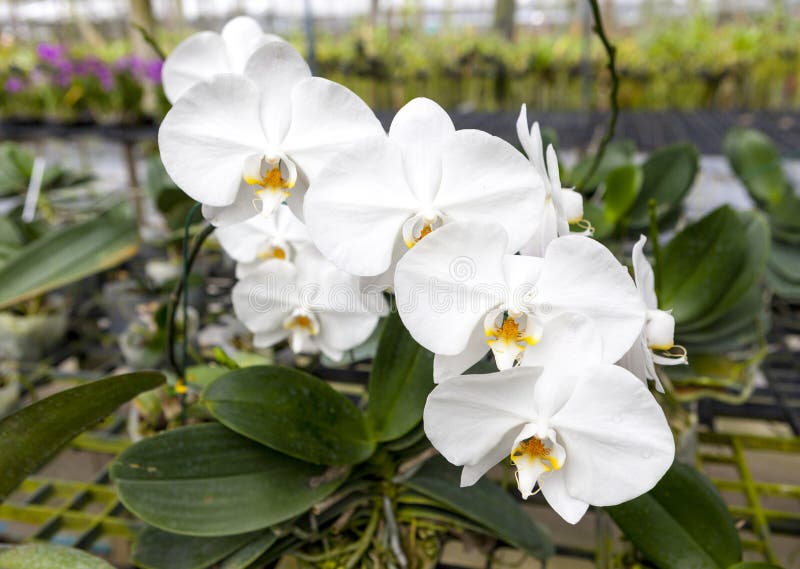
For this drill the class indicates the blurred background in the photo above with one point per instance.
(84, 60)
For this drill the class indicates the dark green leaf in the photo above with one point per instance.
(754, 159)
(682, 522)
(701, 263)
(156, 549)
(751, 266)
(67, 255)
(622, 185)
(401, 378)
(32, 435)
(293, 412)
(484, 503)
(48, 556)
(206, 480)
(754, 565)
(668, 176)
(596, 215)
(248, 554)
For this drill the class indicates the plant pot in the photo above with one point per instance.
(29, 337)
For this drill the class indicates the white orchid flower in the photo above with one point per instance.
(381, 197)
(239, 143)
(562, 205)
(205, 54)
(460, 294)
(586, 435)
(310, 303)
(657, 336)
(277, 236)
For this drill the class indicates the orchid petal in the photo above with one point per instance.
(447, 283)
(618, 441)
(485, 178)
(467, 417)
(471, 473)
(582, 275)
(263, 300)
(554, 490)
(276, 68)
(566, 336)
(421, 129)
(356, 208)
(243, 36)
(197, 58)
(244, 207)
(208, 135)
(521, 273)
(643, 274)
(445, 367)
(326, 117)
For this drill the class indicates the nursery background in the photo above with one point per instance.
(678, 120)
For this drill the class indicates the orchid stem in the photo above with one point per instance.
(180, 292)
(611, 65)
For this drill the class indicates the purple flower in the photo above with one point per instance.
(153, 71)
(52, 53)
(14, 85)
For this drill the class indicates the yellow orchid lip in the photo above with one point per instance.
(271, 181)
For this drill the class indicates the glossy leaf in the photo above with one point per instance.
(292, 412)
(682, 522)
(622, 185)
(700, 265)
(32, 435)
(668, 176)
(755, 160)
(67, 255)
(156, 549)
(485, 503)
(751, 266)
(401, 379)
(48, 556)
(206, 480)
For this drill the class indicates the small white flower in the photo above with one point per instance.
(381, 197)
(277, 236)
(588, 434)
(459, 294)
(310, 303)
(205, 54)
(562, 205)
(658, 332)
(239, 143)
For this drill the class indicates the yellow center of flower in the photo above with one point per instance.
(532, 449)
(509, 333)
(272, 253)
(304, 323)
(426, 230)
(271, 181)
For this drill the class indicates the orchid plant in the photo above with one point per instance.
(509, 336)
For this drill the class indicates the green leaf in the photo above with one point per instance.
(47, 556)
(156, 549)
(401, 378)
(701, 263)
(292, 412)
(32, 435)
(756, 252)
(683, 522)
(596, 215)
(16, 165)
(67, 255)
(668, 176)
(250, 553)
(756, 161)
(206, 480)
(754, 565)
(485, 503)
(622, 185)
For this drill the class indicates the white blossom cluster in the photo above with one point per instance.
(324, 211)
